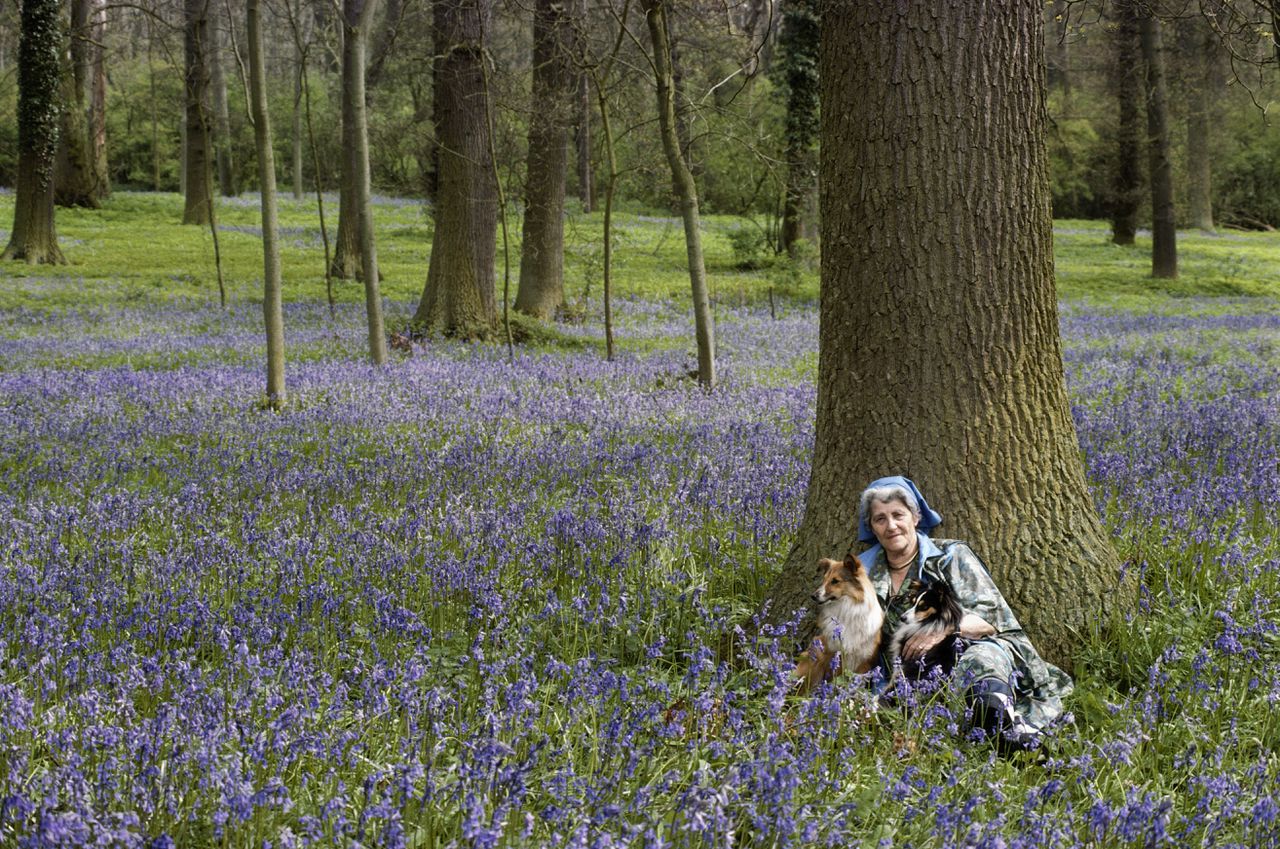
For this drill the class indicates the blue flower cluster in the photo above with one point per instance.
(470, 602)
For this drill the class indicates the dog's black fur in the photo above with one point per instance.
(935, 611)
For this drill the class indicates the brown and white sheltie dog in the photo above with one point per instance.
(935, 611)
(849, 623)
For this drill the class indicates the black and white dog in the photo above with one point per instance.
(935, 611)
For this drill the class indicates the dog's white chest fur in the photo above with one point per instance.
(853, 628)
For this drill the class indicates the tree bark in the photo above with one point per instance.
(297, 139)
(798, 63)
(939, 354)
(197, 186)
(458, 298)
(686, 190)
(98, 95)
(582, 143)
(271, 300)
(541, 287)
(81, 173)
(221, 111)
(346, 255)
(1164, 234)
(356, 18)
(1126, 59)
(1205, 85)
(40, 46)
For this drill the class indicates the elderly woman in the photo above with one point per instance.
(1012, 692)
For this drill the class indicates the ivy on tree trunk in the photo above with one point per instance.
(40, 47)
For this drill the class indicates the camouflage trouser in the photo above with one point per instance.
(986, 671)
(984, 660)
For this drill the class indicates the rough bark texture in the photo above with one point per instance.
(81, 173)
(271, 299)
(683, 184)
(541, 288)
(346, 254)
(798, 64)
(458, 298)
(1164, 235)
(1126, 80)
(939, 353)
(40, 45)
(1205, 86)
(197, 185)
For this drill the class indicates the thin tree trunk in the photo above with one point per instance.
(612, 161)
(939, 353)
(40, 46)
(1164, 235)
(458, 297)
(346, 254)
(80, 176)
(1205, 85)
(541, 289)
(1126, 58)
(221, 110)
(98, 96)
(798, 48)
(155, 108)
(357, 15)
(582, 144)
(272, 308)
(196, 159)
(685, 189)
(299, 72)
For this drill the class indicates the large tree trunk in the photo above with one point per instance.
(81, 173)
(1205, 86)
(1126, 80)
(685, 189)
(939, 353)
(346, 255)
(458, 298)
(198, 175)
(271, 299)
(798, 63)
(221, 110)
(356, 19)
(40, 45)
(541, 290)
(1164, 235)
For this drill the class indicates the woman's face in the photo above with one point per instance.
(894, 525)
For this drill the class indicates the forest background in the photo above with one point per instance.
(489, 596)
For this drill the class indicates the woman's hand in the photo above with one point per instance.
(917, 646)
(972, 627)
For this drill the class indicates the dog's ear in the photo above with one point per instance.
(852, 563)
(825, 563)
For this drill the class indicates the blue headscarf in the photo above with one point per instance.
(929, 518)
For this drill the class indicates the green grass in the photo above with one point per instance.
(135, 248)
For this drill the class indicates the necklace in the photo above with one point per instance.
(905, 563)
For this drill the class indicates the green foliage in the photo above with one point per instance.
(1079, 159)
(1248, 182)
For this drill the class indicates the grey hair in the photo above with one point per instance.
(883, 495)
